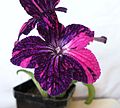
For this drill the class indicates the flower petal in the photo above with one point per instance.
(51, 31)
(44, 12)
(89, 63)
(55, 2)
(30, 52)
(75, 68)
(55, 78)
(28, 26)
(36, 7)
(77, 36)
(31, 7)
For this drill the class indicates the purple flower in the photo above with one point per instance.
(61, 58)
(42, 12)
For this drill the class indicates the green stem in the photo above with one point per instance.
(42, 92)
(74, 82)
(91, 93)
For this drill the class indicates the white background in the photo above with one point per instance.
(102, 16)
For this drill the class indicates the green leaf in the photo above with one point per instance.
(91, 93)
(42, 92)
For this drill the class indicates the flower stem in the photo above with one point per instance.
(91, 93)
(42, 92)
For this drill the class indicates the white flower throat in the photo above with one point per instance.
(58, 50)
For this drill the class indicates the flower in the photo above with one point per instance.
(60, 59)
(60, 55)
(42, 12)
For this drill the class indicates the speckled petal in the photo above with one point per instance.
(77, 36)
(27, 26)
(75, 68)
(30, 52)
(51, 31)
(43, 13)
(36, 7)
(57, 75)
(55, 2)
(89, 63)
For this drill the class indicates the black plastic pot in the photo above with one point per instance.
(26, 99)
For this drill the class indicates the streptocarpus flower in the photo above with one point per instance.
(43, 14)
(60, 61)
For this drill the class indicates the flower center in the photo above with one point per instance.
(58, 50)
